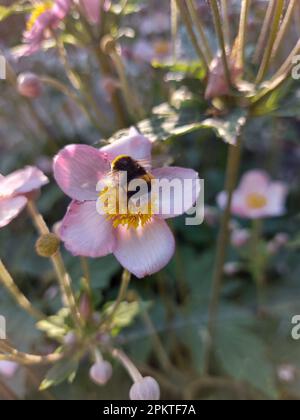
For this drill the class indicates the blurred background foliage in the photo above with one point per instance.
(255, 356)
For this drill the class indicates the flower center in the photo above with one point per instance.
(161, 47)
(124, 210)
(256, 201)
(38, 10)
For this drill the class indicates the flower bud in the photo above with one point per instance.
(145, 389)
(101, 372)
(70, 338)
(240, 237)
(85, 307)
(47, 245)
(8, 369)
(29, 85)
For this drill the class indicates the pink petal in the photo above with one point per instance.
(238, 206)
(277, 194)
(174, 203)
(10, 208)
(22, 181)
(85, 232)
(135, 145)
(256, 181)
(8, 368)
(91, 9)
(78, 169)
(146, 250)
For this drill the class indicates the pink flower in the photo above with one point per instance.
(142, 244)
(147, 51)
(93, 8)
(8, 369)
(14, 189)
(257, 196)
(45, 18)
(240, 237)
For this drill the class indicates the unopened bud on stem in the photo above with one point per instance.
(29, 85)
(47, 245)
(145, 389)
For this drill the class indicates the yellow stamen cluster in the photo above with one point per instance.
(256, 201)
(38, 10)
(131, 216)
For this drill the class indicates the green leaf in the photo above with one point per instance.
(193, 69)
(124, 315)
(242, 355)
(61, 371)
(168, 123)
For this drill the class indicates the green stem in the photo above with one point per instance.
(264, 31)
(75, 98)
(233, 164)
(284, 27)
(225, 16)
(263, 69)
(63, 276)
(8, 282)
(129, 94)
(104, 65)
(243, 32)
(256, 268)
(126, 277)
(197, 21)
(181, 5)
(128, 364)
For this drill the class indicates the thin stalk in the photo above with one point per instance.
(233, 164)
(7, 281)
(264, 67)
(104, 65)
(126, 277)
(284, 27)
(76, 81)
(197, 21)
(40, 124)
(63, 276)
(159, 348)
(74, 97)
(128, 364)
(129, 94)
(288, 64)
(257, 227)
(242, 32)
(264, 31)
(13, 355)
(174, 28)
(189, 27)
(219, 30)
(225, 16)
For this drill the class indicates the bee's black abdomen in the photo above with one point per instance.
(127, 164)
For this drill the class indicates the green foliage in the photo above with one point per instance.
(169, 123)
(61, 371)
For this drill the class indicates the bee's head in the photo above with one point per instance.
(122, 163)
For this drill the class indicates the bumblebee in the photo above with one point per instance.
(134, 170)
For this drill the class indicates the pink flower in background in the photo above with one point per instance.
(8, 369)
(144, 246)
(45, 18)
(14, 190)
(257, 196)
(93, 8)
(147, 51)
